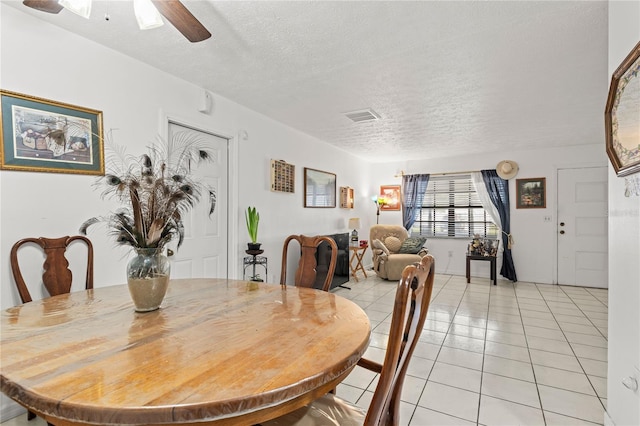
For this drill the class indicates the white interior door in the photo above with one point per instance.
(582, 227)
(204, 250)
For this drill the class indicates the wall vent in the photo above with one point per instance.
(362, 115)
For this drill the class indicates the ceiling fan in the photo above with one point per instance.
(173, 10)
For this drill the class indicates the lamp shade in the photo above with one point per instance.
(354, 223)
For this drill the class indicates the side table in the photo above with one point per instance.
(252, 261)
(491, 259)
(357, 253)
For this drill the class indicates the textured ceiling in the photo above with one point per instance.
(446, 78)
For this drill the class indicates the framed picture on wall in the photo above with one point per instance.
(531, 193)
(389, 198)
(319, 188)
(40, 135)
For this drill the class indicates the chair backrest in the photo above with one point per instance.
(409, 313)
(56, 277)
(381, 232)
(306, 272)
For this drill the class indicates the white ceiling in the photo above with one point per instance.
(447, 78)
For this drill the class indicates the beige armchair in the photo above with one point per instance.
(393, 249)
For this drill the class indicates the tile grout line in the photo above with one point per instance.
(484, 350)
(526, 339)
(436, 357)
(577, 357)
(571, 347)
(450, 292)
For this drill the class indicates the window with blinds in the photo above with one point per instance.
(451, 209)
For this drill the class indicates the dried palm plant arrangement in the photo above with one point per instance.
(156, 190)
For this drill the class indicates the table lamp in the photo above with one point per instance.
(354, 223)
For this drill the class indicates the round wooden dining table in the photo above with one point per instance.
(218, 351)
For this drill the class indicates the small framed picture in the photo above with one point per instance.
(389, 198)
(531, 193)
(40, 135)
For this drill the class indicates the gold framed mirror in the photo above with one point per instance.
(622, 116)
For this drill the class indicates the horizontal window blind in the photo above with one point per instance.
(451, 208)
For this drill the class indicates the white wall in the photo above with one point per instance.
(534, 252)
(623, 405)
(132, 97)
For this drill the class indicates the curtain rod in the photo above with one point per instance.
(454, 173)
(442, 174)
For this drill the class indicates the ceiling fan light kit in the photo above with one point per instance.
(79, 7)
(148, 13)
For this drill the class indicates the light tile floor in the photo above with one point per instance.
(511, 354)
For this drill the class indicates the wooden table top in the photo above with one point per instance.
(218, 351)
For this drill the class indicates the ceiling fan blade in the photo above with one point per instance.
(49, 6)
(182, 19)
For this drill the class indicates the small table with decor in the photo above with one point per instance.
(485, 249)
(218, 351)
(355, 263)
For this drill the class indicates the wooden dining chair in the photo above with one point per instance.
(307, 266)
(56, 276)
(409, 313)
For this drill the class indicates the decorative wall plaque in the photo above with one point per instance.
(346, 197)
(282, 176)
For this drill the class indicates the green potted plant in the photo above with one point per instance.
(253, 218)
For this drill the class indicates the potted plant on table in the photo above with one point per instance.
(156, 190)
(252, 218)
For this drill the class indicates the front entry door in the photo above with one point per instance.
(582, 227)
(204, 250)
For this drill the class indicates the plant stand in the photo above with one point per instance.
(252, 260)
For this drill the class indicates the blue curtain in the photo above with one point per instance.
(498, 190)
(413, 189)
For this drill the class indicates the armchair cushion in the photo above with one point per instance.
(393, 244)
(380, 245)
(412, 245)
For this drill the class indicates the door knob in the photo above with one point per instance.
(562, 232)
(561, 223)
